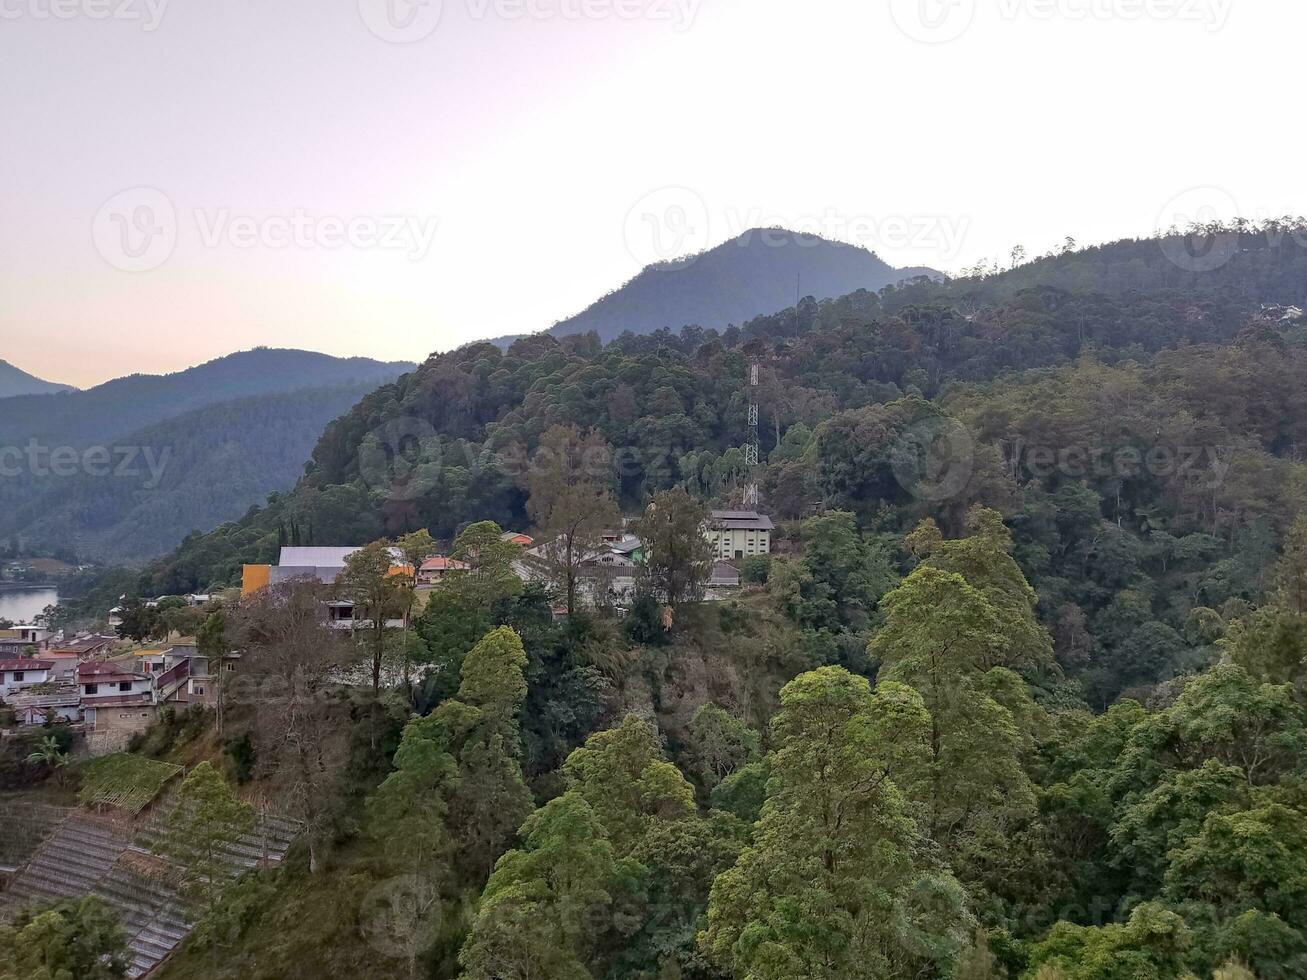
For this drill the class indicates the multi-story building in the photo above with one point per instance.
(739, 534)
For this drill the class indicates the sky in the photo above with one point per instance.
(391, 179)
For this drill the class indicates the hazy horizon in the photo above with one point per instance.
(387, 180)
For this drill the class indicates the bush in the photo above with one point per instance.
(755, 569)
(240, 757)
(644, 623)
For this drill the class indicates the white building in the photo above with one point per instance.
(739, 534)
(19, 675)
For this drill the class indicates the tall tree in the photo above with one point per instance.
(481, 731)
(200, 831)
(838, 883)
(212, 642)
(369, 581)
(289, 657)
(940, 638)
(491, 574)
(536, 912)
(571, 500)
(678, 554)
(70, 940)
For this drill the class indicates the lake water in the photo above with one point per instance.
(21, 606)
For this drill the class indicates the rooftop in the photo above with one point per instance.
(439, 563)
(25, 664)
(314, 557)
(99, 668)
(741, 520)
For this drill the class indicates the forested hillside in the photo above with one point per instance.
(122, 472)
(1179, 406)
(206, 466)
(1018, 696)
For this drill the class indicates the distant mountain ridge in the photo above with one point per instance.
(117, 407)
(14, 382)
(157, 457)
(760, 271)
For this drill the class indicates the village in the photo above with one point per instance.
(107, 688)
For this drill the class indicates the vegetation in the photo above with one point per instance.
(70, 940)
(124, 781)
(1023, 695)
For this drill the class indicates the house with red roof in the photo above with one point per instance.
(437, 567)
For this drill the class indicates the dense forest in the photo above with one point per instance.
(1022, 692)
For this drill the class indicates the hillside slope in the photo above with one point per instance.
(14, 382)
(192, 473)
(124, 405)
(760, 271)
(146, 460)
(673, 405)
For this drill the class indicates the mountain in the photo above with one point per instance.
(191, 472)
(761, 271)
(124, 405)
(15, 382)
(122, 472)
(674, 408)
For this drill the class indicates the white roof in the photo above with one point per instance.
(314, 557)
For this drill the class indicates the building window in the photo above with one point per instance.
(124, 685)
(92, 688)
(199, 690)
(18, 676)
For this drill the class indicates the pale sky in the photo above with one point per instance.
(501, 166)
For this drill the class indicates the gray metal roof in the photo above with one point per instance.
(314, 557)
(740, 520)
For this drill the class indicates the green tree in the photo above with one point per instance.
(75, 939)
(533, 920)
(622, 774)
(49, 753)
(720, 744)
(491, 575)
(206, 822)
(368, 580)
(1252, 859)
(941, 637)
(139, 622)
(480, 729)
(1152, 944)
(838, 883)
(983, 558)
(678, 554)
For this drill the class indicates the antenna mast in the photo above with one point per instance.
(751, 448)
